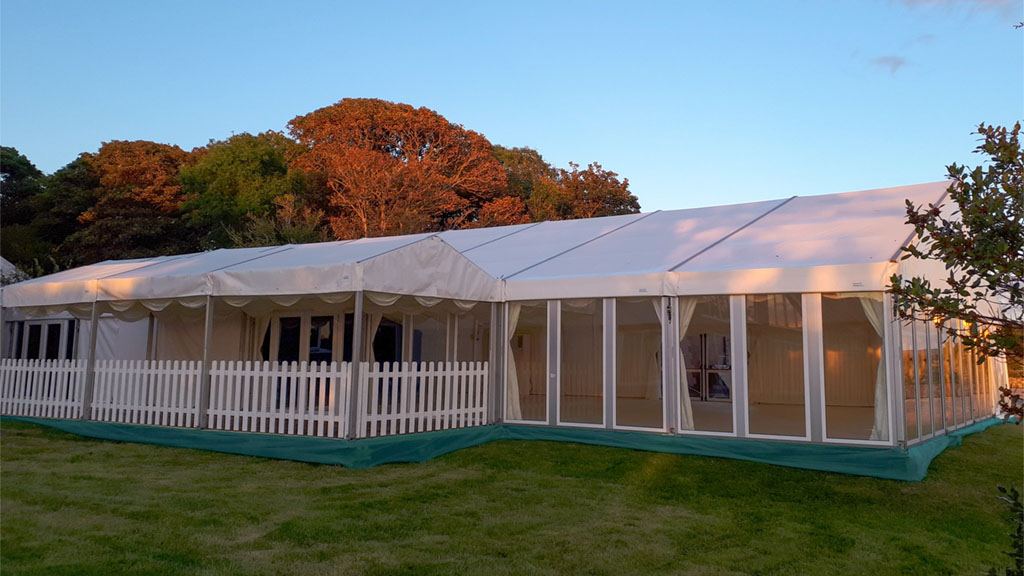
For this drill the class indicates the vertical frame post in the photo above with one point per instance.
(357, 359)
(554, 359)
(814, 361)
(608, 366)
(204, 374)
(671, 381)
(738, 330)
(90, 363)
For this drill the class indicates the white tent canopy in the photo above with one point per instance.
(837, 242)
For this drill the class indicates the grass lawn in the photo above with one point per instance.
(72, 505)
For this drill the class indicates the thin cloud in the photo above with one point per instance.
(890, 63)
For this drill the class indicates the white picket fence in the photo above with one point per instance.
(419, 397)
(156, 392)
(304, 399)
(269, 397)
(42, 388)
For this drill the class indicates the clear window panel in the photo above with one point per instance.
(962, 372)
(527, 361)
(910, 381)
(705, 352)
(429, 339)
(936, 376)
(638, 385)
(775, 365)
(321, 339)
(856, 405)
(35, 341)
(69, 343)
(947, 387)
(581, 378)
(472, 338)
(53, 341)
(926, 377)
(290, 339)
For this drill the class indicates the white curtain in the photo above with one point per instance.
(514, 411)
(654, 384)
(262, 324)
(872, 305)
(686, 308)
(372, 323)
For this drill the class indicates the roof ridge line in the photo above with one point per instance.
(531, 226)
(284, 248)
(566, 251)
(733, 233)
(428, 237)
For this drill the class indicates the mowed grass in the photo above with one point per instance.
(72, 505)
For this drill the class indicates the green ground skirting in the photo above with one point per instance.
(891, 463)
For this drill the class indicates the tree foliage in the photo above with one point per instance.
(137, 209)
(394, 169)
(360, 167)
(550, 193)
(237, 179)
(980, 240)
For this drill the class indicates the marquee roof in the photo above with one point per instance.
(836, 242)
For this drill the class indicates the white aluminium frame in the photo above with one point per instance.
(807, 377)
(557, 372)
(890, 370)
(611, 390)
(505, 339)
(737, 346)
(67, 326)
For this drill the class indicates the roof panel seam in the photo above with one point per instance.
(598, 237)
(731, 234)
(285, 249)
(531, 226)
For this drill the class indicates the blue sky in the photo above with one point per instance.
(697, 103)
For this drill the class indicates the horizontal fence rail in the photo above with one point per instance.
(419, 397)
(296, 398)
(155, 392)
(42, 388)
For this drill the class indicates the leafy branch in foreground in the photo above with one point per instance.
(980, 241)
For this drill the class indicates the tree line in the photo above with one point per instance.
(357, 168)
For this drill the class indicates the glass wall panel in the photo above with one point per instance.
(924, 370)
(581, 378)
(638, 387)
(429, 339)
(290, 339)
(53, 341)
(35, 341)
(775, 365)
(947, 367)
(937, 376)
(321, 339)
(527, 361)
(705, 354)
(961, 370)
(472, 336)
(856, 405)
(911, 408)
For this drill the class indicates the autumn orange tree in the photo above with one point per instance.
(394, 169)
(137, 209)
(549, 193)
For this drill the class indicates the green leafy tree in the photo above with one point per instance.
(290, 223)
(68, 193)
(20, 183)
(981, 243)
(237, 179)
